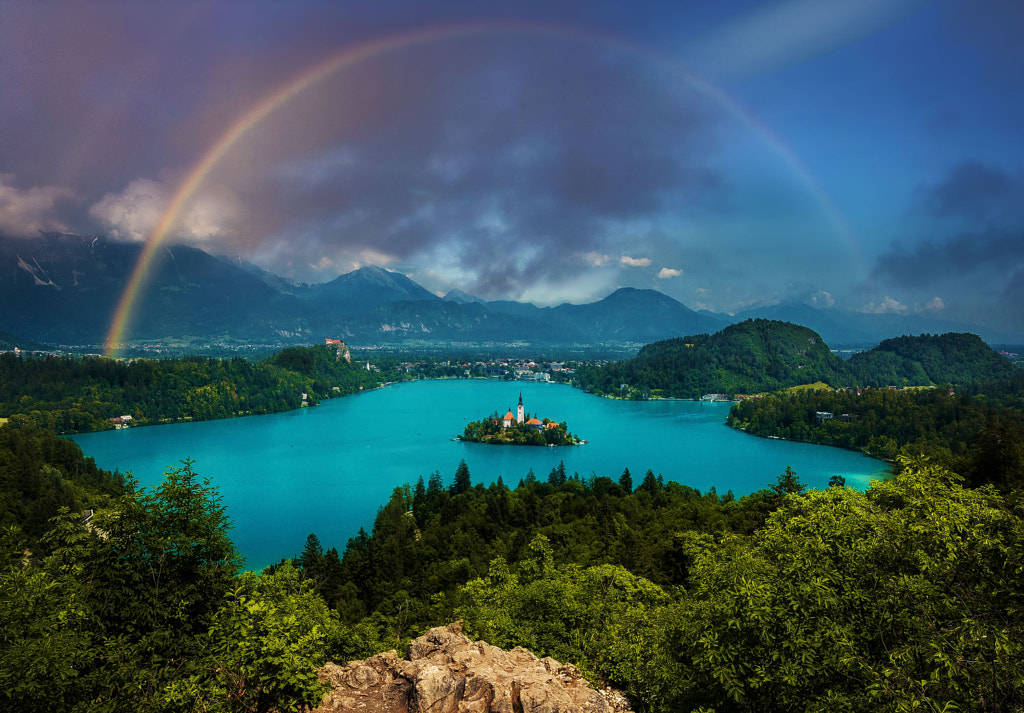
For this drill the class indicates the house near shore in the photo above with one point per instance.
(121, 421)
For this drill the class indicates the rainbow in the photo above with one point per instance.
(353, 56)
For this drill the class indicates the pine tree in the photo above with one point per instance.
(626, 481)
(462, 483)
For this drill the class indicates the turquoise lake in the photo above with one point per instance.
(327, 469)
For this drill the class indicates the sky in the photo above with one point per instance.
(866, 155)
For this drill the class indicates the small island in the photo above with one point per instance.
(519, 430)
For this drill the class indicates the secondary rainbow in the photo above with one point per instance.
(352, 56)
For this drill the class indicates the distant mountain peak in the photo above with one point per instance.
(365, 289)
(372, 270)
(377, 275)
(462, 298)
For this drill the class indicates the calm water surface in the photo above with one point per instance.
(327, 469)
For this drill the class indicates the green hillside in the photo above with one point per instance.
(752, 356)
(70, 395)
(10, 342)
(764, 355)
(40, 473)
(929, 359)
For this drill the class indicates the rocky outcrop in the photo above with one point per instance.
(445, 672)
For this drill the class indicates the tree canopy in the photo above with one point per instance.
(70, 395)
(761, 355)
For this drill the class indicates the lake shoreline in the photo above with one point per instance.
(327, 470)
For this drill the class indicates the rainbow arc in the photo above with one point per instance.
(353, 56)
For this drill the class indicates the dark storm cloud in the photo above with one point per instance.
(512, 153)
(515, 154)
(995, 26)
(929, 262)
(79, 95)
(565, 159)
(1012, 302)
(972, 190)
(986, 198)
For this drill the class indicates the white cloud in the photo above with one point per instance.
(886, 306)
(784, 32)
(324, 263)
(369, 256)
(576, 289)
(595, 259)
(701, 299)
(627, 261)
(134, 214)
(25, 212)
(934, 305)
(669, 272)
(209, 216)
(822, 299)
(349, 262)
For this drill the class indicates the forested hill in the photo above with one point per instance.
(765, 355)
(10, 342)
(72, 395)
(929, 359)
(752, 356)
(40, 473)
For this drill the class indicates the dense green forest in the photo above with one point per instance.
(143, 609)
(973, 434)
(905, 597)
(926, 360)
(70, 395)
(763, 355)
(749, 357)
(40, 473)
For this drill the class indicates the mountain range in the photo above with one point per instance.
(63, 289)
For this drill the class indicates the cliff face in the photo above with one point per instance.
(445, 672)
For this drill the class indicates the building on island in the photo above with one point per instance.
(520, 418)
(517, 427)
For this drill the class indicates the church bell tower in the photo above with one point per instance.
(520, 414)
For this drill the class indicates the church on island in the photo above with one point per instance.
(517, 429)
(520, 418)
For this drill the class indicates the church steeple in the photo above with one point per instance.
(520, 414)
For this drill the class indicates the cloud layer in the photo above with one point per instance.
(133, 214)
(26, 211)
(543, 151)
